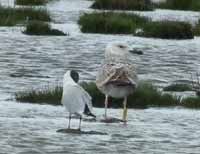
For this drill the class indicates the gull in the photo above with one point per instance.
(117, 76)
(74, 97)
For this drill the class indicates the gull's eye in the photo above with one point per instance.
(121, 46)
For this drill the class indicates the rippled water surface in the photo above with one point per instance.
(29, 128)
(35, 61)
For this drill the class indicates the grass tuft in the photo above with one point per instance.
(178, 87)
(41, 28)
(148, 95)
(30, 2)
(193, 5)
(168, 30)
(198, 93)
(191, 102)
(141, 5)
(109, 22)
(46, 95)
(14, 16)
(197, 29)
(122, 23)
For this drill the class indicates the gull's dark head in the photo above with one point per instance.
(74, 75)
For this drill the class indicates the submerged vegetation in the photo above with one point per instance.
(14, 16)
(122, 23)
(141, 5)
(180, 5)
(30, 2)
(41, 28)
(146, 95)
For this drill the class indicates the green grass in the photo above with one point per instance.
(46, 95)
(121, 23)
(191, 102)
(145, 96)
(148, 95)
(14, 16)
(193, 5)
(30, 2)
(110, 23)
(178, 87)
(41, 28)
(198, 93)
(167, 30)
(141, 5)
(197, 29)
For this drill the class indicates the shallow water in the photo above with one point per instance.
(27, 128)
(32, 61)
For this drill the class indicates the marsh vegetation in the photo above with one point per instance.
(146, 5)
(30, 2)
(141, 5)
(13, 16)
(193, 5)
(46, 95)
(146, 95)
(122, 23)
(167, 30)
(110, 23)
(178, 87)
(41, 28)
(197, 29)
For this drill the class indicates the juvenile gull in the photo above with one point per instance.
(74, 97)
(117, 76)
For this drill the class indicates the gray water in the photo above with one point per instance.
(34, 61)
(31, 129)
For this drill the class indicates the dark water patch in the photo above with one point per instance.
(79, 132)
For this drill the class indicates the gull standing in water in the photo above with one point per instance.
(74, 97)
(117, 76)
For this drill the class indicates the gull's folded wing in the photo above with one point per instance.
(111, 72)
(75, 98)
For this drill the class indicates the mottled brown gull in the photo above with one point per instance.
(117, 76)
